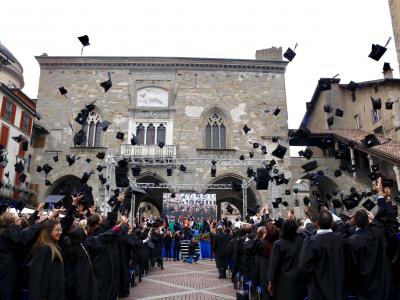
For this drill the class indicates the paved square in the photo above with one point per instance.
(181, 281)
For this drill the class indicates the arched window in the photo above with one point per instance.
(215, 132)
(140, 133)
(92, 130)
(161, 133)
(150, 134)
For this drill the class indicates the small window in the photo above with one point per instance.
(25, 124)
(8, 110)
(376, 116)
(357, 121)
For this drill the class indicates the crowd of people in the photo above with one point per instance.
(88, 256)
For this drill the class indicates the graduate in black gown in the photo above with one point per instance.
(221, 240)
(325, 258)
(286, 282)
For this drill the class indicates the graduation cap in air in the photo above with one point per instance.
(63, 90)
(386, 67)
(309, 105)
(375, 168)
(350, 202)
(112, 201)
(251, 153)
(285, 203)
(104, 125)
(275, 171)
(19, 167)
(370, 141)
(327, 108)
(134, 140)
(256, 145)
(85, 177)
(389, 105)
(106, 85)
(329, 121)
(250, 171)
(47, 168)
(276, 111)
(99, 168)
(120, 136)
(91, 106)
(81, 118)
(307, 153)
(241, 157)
(182, 168)
(100, 155)
(123, 163)
(336, 203)
(271, 163)
(25, 145)
(136, 169)
(236, 187)
(39, 169)
(376, 103)
(377, 51)
(338, 173)
(339, 112)
(287, 192)
(264, 149)
(229, 209)
(368, 204)
(22, 177)
(70, 159)
(306, 201)
(324, 84)
(352, 168)
(55, 158)
(84, 39)
(274, 139)
(279, 179)
(295, 190)
(79, 137)
(18, 138)
(161, 144)
(289, 53)
(102, 179)
(373, 176)
(312, 165)
(275, 205)
(47, 182)
(246, 129)
(353, 86)
(279, 152)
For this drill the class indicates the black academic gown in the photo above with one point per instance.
(11, 242)
(283, 271)
(261, 263)
(326, 258)
(46, 280)
(371, 278)
(126, 246)
(247, 260)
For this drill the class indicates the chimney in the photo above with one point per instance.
(269, 54)
(387, 71)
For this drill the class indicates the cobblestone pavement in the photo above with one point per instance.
(180, 281)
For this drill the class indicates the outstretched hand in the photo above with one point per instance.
(76, 200)
(121, 197)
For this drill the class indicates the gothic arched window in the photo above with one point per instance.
(140, 133)
(161, 133)
(150, 134)
(215, 132)
(92, 130)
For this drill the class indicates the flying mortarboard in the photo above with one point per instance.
(329, 121)
(246, 129)
(102, 179)
(336, 203)
(100, 155)
(353, 86)
(279, 152)
(276, 111)
(312, 165)
(241, 157)
(324, 84)
(120, 136)
(287, 192)
(327, 108)
(81, 118)
(47, 168)
(263, 149)
(55, 158)
(377, 51)
(274, 139)
(22, 177)
(275, 205)
(368, 204)
(134, 140)
(161, 144)
(182, 168)
(70, 159)
(306, 201)
(18, 138)
(279, 179)
(251, 153)
(289, 53)
(376, 103)
(85, 177)
(19, 167)
(104, 125)
(339, 112)
(285, 203)
(389, 105)
(39, 169)
(229, 209)
(88, 160)
(106, 85)
(99, 168)
(338, 173)
(25, 145)
(84, 39)
(63, 90)
(256, 145)
(47, 182)
(307, 153)
(370, 141)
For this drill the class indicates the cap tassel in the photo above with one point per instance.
(390, 38)
(295, 46)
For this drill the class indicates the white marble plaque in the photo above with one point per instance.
(152, 97)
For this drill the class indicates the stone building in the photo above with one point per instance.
(394, 7)
(16, 120)
(196, 106)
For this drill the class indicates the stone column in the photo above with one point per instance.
(353, 161)
(370, 161)
(396, 170)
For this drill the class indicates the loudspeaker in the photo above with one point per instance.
(262, 179)
(121, 176)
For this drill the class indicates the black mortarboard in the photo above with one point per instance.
(338, 173)
(376, 103)
(389, 105)
(81, 118)
(55, 158)
(278, 200)
(336, 203)
(279, 152)
(386, 67)
(241, 157)
(91, 106)
(63, 90)
(18, 138)
(368, 204)
(289, 54)
(84, 39)
(328, 196)
(229, 209)
(161, 144)
(350, 202)
(279, 179)
(274, 139)
(182, 168)
(136, 169)
(287, 192)
(324, 84)
(47, 168)
(285, 203)
(120, 136)
(100, 155)
(370, 141)
(246, 129)
(7, 174)
(264, 149)
(275, 171)
(102, 179)
(307, 153)
(99, 168)
(104, 125)
(275, 205)
(47, 182)
(70, 159)
(339, 112)
(250, 171)
(353, 86)
(272, 163)
(85, 177)
(79, 137)
(295, 190)
(277, 111)
(251, 153)
(19, 167)
(329, 121)
(39, 169)
(22, 177)
(352, 168)
(134, 140)
(88, 160)
(112, 201)
(107, 84)
(377, 52)
(309, 105)
(312, 165)
(25, 145)
(327, 108)
(375, 168)
(123, 163)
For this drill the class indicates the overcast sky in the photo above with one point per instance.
(333, 36)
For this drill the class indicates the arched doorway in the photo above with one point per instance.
(68, 185)
(229, 210)
(147, 209)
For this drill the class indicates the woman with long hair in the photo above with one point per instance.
(47, 264)
(286, 281)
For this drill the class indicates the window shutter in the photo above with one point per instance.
(29, 125)
(3, 141)
(3, 106)
(21, 123)
(13, 110)
(21, 152)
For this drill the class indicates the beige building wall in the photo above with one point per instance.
(394, 6)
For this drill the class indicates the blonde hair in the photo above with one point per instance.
(44, 239)
(6, 219)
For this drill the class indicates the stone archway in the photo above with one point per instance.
(68, 185)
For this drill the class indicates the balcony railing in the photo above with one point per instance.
(148, 150)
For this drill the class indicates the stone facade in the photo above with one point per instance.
(239, 91)
(394, 6)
